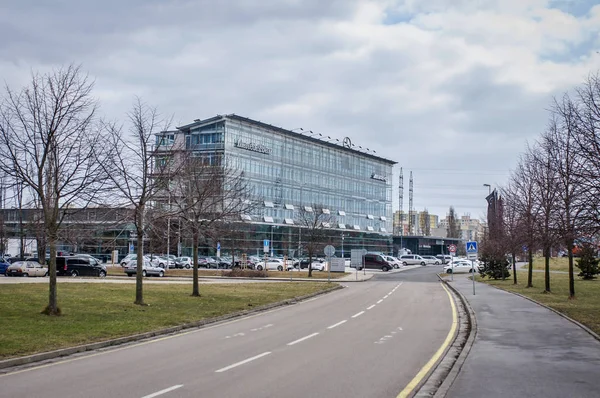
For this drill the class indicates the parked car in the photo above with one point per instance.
(26, 268)
(444, 258)
(315, 264)
(3, 266)
(164, 262)
(207, 262)
(148, 269)
(459, 267)
(412, 259)
(184, 262)
(394, 261)
(274, 264)
(131, 257)
(377, 261)
(432, 260)
(79, 266)
(221, 262)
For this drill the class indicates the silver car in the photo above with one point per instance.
(147, 269)
(412, 259)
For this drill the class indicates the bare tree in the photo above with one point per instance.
(48, 139)
(206, 191)
(513, 237)
(560, 141)
(545, 180)
(523, 201)
(425, 222)
(131, 172)
(314, 223)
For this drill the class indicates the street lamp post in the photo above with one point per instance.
(489, 188)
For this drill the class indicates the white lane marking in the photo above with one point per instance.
(303, 338)
(358, 314)
(386, 296)
(371, 306)
(337, 324)
(379, 302)
(161, 392)
(226, 368)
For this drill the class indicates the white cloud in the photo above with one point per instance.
(442, 87)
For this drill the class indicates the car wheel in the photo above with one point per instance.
(385, 268)
(279, 268)
(259, 267)
(102, 274)
(161, 274)
(144, 273)
(437, 263)
(422, 262)
(129, 274)
(25, 275)
(405, 263)
(74, 273)
(187, 266)
(449, 271)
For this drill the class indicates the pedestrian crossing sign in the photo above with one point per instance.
(472, 247)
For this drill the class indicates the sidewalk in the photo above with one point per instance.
(524, 350)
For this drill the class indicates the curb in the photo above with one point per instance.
(581, 325)
(277, 279)
(446, 370)
(8, 363)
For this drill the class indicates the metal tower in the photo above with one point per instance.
(401, 201)
(410, 205)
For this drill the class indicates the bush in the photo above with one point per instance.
(495, 266)
(588, 263)
(245, 273)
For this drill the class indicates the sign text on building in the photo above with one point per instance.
(378, 177)
(251, 146)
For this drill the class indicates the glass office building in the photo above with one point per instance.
(290, 170)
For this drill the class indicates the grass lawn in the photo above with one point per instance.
(118, 271)
(585, 308)
(96, 312)
(556, 264)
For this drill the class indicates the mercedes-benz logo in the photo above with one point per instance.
(347, 143)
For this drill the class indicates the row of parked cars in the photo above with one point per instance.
(75, 265)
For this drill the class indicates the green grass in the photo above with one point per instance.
(585, 308)
(96, 312)
(118, 271)
(556, 264)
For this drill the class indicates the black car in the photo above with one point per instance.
(79, 266)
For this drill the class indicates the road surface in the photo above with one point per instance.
(367, 340)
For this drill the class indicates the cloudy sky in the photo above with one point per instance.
(450, 89)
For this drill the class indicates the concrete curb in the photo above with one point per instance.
(442, 376)
(277, 279)
(8, 363)
(585, 328)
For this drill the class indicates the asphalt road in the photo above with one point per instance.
(367, 340)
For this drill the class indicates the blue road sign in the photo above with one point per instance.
(266, 245)
(472, 247)
(525, 248)
(218, 245)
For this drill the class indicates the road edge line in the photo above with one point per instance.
(433, 361)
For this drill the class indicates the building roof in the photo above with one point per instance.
(338, 145)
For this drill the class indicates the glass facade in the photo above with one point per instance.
(289, 171)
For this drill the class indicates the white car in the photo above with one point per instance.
(183, 262)
(461, 266)
(275, 264)
(318, 266)
(432, 260)
(394, 261)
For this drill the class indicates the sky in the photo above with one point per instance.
(452, 90)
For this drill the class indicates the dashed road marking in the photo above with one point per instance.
(337, 324)
(161, 392)
(303, 338)
(242, 362)
(358, 314)
(371, 306)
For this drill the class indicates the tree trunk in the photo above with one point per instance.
(52, 308)
(309, 264)
(530, 270)
(139, 278)
(195, 240)
(547, 269)
(514, 268)
(571, 277)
